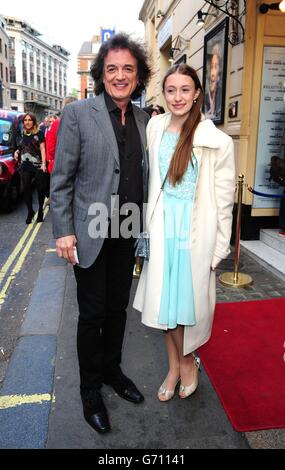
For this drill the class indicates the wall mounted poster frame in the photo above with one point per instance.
(215, 71)
(271, 126)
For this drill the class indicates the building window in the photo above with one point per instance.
(7, 75)
(24, 65)
(13, 74)
(6, 51)
(13, 94)
(14, 108)
(0, 46)
(12, 43)
(1, 70)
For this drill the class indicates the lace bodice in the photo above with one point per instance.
(185, 189)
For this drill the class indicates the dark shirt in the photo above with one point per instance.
(130, 152)
(30, 148)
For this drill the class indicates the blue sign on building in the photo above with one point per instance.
(106, 34)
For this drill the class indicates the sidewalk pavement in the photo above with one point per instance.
(44, 370)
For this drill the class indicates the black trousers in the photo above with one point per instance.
(103, 292)
(28, 173)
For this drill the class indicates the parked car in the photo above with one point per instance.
(10, 127)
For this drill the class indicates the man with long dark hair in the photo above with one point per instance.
(101, 153)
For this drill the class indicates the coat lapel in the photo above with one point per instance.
(102, 118)
(162, 125)
(206, 135)
(140, 125)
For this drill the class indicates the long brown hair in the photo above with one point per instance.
(183, 151)
(34, 130)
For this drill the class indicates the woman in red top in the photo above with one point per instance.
(51, 136)
(51, 144)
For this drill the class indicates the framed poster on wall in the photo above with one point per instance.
(215, 71)
(270, 139)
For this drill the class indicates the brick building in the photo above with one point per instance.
(85, 58)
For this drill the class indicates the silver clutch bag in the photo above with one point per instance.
(142, 246)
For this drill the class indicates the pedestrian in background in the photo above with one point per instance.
(153, 110)
(100, 153)
(51, 119)
(51, 136)
(44, 125)
(31, 152)
(160, 109)
(189, 224)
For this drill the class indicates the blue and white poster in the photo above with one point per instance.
(271, 125)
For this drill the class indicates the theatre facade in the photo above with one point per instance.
(247, 40)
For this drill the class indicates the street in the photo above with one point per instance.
(40, 404)
(21, 254)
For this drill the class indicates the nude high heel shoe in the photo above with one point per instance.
(187, 390)
(163, 394)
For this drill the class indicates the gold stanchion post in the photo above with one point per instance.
(137, 267)
(237, 279)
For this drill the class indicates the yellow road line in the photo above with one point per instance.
(50, 250)
(15, 252)
(25, 251)
(11, 401)
(21, 260)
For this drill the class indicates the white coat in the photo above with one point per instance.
(210, 227)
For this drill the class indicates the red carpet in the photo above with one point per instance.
(245, 361)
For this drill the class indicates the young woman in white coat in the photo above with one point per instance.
(189, 223)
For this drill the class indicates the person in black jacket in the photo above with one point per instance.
(31, 151)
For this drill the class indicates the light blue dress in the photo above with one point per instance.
(177, 300)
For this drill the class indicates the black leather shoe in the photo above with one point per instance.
(125, 388)
(95, 411)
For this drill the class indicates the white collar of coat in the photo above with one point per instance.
(206, 134)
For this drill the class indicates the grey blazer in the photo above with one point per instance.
(87, 170)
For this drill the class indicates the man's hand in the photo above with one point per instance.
(65, 248)
(16, 155)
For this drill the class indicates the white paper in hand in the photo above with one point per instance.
(76, 255)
